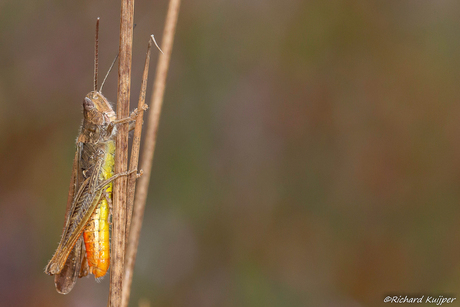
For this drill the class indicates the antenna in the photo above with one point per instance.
(111, 67)
(96, 54)
(108, 72)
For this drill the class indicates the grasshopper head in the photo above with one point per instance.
(98, 114)
(97, 109)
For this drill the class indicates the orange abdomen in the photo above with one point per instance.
(96, 236)
(96, 233)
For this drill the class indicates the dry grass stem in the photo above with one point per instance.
(149, 145)
(121, 157)
(134, 159)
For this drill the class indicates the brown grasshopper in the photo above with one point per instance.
(84, 245)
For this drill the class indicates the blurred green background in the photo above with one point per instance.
(308, 152)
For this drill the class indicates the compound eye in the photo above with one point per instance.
(92, 129)
(88, 105)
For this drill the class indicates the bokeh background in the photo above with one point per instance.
(308, 152)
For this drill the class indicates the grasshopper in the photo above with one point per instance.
(84, 247)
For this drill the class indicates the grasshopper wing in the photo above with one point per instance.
(83, 204)
(65, 280)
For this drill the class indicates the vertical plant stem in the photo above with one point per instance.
(149, 145)
(134, 159)
(121, 157)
